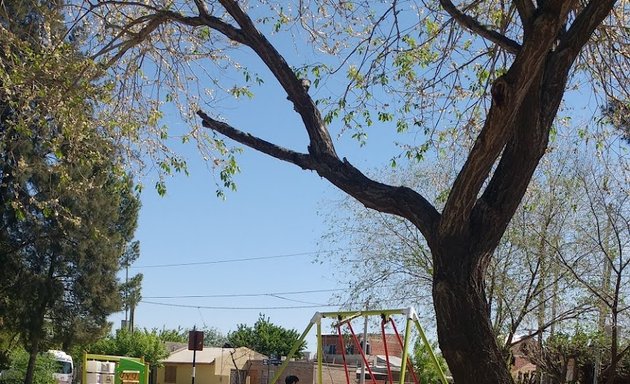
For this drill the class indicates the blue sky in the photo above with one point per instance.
(273, 216)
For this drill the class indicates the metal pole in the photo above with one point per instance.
(414, 317)
(194, 353)
(126, 294)
(283, 366)
(365, 327)
(320, 353)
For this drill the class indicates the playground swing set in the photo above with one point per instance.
(345, 318)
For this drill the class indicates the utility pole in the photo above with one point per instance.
(126, 293)
(365, 327)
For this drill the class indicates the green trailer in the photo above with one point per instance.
(108, 369)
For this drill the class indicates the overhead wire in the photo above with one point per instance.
(236, 308)
(223, 261)
(274, 294)
(273, 307)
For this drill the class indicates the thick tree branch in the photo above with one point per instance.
(320, 140)
(473, 25)
(521, 156)
(302, 160)
(584, 25)
(526, 9)
(508, 93)
(400, 201)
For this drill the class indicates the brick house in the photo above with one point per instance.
(374, 351)
(306, 371)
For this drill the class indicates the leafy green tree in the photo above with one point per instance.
(212, 337)
(390, 263)
(43, 372)
(67, 206)
(581, 350)
(598, 253)
(423, 365)
(141, 343)
(178, 335)
(265, 337)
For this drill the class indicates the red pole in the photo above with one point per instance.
(343, 353)
(356, 342)
(389, 368)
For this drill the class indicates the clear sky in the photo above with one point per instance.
(194, 244)
(191, 241)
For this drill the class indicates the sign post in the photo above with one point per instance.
(273, 361)
(195, 343)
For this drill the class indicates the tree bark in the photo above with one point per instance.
(33, 350)
(30, 368)
(465, 332)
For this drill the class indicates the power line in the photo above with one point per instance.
(272, 307)
(239, 308)
(241, 259)
(274, 294)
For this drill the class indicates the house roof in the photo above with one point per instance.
(394, 361)
(210, 354)
(172, 346)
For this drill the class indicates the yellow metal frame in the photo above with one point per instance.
(345, 316)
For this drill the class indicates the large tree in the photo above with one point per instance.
(598, 248)
(68, 207)
(386, 260)
(494, 72)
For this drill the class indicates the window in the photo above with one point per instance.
(238, 377)
(170, 374)
(64, 367)
(330, 349)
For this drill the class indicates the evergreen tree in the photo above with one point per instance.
(67, 208)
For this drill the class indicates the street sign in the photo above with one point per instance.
(272, 361)
(195, 340)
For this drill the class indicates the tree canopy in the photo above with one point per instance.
(265, 337)
(68, 206)
(147, 344)
(491, 74)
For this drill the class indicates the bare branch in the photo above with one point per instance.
(400, 201)
(302, 160)
(473, 25)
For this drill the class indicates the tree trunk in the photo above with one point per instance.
(463, 319)
(32, 358)
(131, 326)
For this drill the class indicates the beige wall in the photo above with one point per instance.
(204, 374)
(306, 371)
(217, 372)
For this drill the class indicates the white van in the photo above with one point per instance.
(65, 366)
